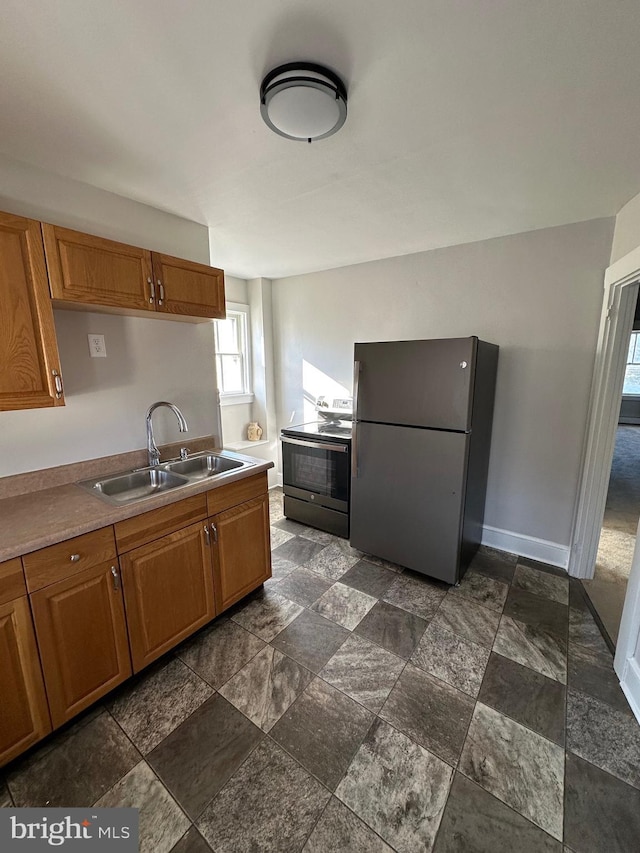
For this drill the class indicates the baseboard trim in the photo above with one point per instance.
(631, 687)
(526, 546)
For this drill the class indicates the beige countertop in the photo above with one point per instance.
(40, 518)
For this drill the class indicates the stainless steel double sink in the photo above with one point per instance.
(129, 487)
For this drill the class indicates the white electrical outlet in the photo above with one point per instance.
(97, 346)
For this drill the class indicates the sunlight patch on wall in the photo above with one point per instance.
(315, 383)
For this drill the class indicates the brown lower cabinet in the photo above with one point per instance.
(82, 635)
(24, 716)
(241, 550)
(168, 591)
(99, 616)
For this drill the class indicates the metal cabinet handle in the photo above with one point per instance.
(317, 445)
(161, 287)
(206, 534)
(116, 578)
(74, 558)
(152, 290)
(57, 379)
(214, 530)
(354, 430)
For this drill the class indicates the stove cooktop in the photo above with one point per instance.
(333, 429)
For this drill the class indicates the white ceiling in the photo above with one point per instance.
(468, 119)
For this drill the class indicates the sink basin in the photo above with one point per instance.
(203, 466)
(134, 486)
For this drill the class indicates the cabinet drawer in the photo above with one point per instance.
(236, 493)
(12, 583)
(67, 558)
(133, 532)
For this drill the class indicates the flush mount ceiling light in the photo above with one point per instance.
(303, 101)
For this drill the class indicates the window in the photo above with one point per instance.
(632, 373)
(233, 355)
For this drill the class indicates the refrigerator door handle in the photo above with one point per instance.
(354, 431)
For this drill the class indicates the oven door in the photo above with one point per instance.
(317, 471)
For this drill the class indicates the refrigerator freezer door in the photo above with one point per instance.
(417, 383)
(406, 502)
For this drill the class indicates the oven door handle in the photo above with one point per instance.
(318, 445)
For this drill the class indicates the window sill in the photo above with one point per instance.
(244, 445)
(235, 399)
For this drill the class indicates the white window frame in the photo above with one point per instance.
(627, 396)
(242, 311)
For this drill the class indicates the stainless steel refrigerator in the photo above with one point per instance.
(420, 451)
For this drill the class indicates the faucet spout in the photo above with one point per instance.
(153, 453)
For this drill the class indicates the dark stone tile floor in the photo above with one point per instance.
(351, 706)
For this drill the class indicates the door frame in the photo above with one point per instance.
(621, 284)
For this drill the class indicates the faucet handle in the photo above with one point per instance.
(184, 453)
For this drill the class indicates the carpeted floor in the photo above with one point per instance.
(617, 540)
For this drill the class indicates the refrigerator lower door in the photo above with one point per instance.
(407, 497)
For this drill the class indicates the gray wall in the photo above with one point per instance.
(626, 236)
(147, 359)
(538, 295)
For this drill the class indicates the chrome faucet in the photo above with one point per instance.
(152, 449)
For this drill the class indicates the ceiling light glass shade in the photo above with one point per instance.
(303, 101)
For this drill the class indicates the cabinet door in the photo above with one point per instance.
(94, 271)
(24, 717)
(242, 553)
(184, 287)
(168, 591)
(29, 362)
(82, 637)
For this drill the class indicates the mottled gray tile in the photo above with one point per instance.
(577, 595)
(592, 672)
(298, 550)
(469, 620)
(537, 612)
(608, 738)
(323, 730)
(398, 788)
(76, 769)
(5, 797)
(270, 805)
(483, 590)
(340, 831)
(584, 631)
(378, 561)
(196, 759)
(162, 822)
(393, 628)
(430, 712)
(281, 567)
(331, 562)
(276, 505)
(374, 580)
(543, 567)
(416, 595)
(150, 708)
(448, 657)
(303, 587)
(220, 651)
(298, 529)
(344, 605)
(526, 696)
(533, 647)
(364, 671)
(499, 565)
(476, 822)
(279, 537)
(602, 814)
(192, 842)
(542, 583)
(516, 765)
(311, 640)
(267, 615)
(266, 687)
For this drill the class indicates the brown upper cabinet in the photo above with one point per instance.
(29, 362)
(92, 271)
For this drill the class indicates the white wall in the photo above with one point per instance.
(626, 235)
(538, 295)
(147, 360)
